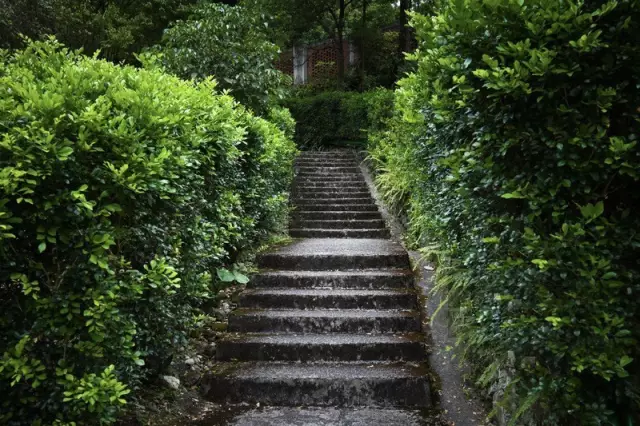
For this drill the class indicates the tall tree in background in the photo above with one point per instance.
(405, 33)
(119, 28)
(297, 18)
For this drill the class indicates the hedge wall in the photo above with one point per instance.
(329, 118)
(122, 192)
(514, 151)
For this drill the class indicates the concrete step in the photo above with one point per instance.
(327, 155)
(331, 194)
(340, 207)
(338, 233)
(288, 298)
(327, 178)
(328, 170)
(364, 207)
(310, 191)
(338, 224)
(327, 162)
(322, 384)
(323, 321)
(335, 215)
(301, 185)
(327, 416)
(322, 347)
(302, 201)
(336, 253)
(356, 279)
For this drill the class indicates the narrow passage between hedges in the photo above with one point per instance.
(331, 325)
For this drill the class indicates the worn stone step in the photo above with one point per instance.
(328, 170)
(288, 298)
(302, 185)
(329, 184)
(338, 224)
(357, 279)
(335, 215)
(327, 178)
(329, 155)
(311, 191)
(328, 416)
(336, 253)
(321, 384)
(323, 321)
(331, 195)
(370, 207)
(302, 201)
(338, 233)
(321, 347)
(326, 161)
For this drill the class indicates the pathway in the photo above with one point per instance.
(332, 324)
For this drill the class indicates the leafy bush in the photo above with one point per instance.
(122, 192)
(119, 28)
(329, 117)
(231, 44)
(514, 151)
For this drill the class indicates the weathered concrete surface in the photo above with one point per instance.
(287, 416)
(337, 253)
(324, 320)
(322, 384)
(319, 347)
(349, 278)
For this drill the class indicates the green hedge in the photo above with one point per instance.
(514, 152)
(329, 118)
(122, 193)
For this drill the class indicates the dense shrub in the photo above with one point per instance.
(330, 117)
(122, 193)
(230, 44)
(119, 28)
(514, 152)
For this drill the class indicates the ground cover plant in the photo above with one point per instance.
(125, 197)
(513, 150)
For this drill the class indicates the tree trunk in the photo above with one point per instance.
(405, 35)
(340, 41)
(362, 37)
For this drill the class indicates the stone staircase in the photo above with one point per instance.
(333, 319)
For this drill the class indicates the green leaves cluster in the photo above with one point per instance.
(123, 193)
(231, 44)
(118, 28)
(513, 151)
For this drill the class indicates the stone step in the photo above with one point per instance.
(317, 183)
(328, 178)
(336, 253)
(323, 321)
(335, 215)
(371, 207)
(326, 162)
(338, 224)
(322, 347)
(310, 191)
(338, 233)
(321, 384)
(302, 201)
(356, 279)
(327, 155)
(328, 170)
(302, 185)
(328, 416)
(331, 194)
(288, 298)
